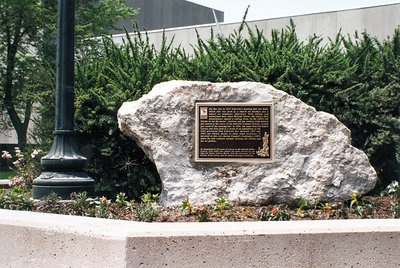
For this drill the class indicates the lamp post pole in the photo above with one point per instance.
(63, 165)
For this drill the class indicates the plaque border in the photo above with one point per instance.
(234, 160)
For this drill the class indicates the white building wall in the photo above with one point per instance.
(378, 21)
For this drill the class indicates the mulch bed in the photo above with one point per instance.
(369, 207)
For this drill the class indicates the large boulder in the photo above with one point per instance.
(314, 158)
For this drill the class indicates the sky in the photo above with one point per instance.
(266, 9)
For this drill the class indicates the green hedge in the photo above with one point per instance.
(357, 79)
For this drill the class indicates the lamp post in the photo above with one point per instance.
(63, 165)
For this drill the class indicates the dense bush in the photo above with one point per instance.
(356, 79)
(102, 85)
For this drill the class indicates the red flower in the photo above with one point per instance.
(274, 211)
(72, 194)
(199, 208)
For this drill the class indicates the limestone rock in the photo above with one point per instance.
(314, 158)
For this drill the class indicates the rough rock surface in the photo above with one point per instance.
(314, 158)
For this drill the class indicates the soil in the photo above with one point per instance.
(368, 207)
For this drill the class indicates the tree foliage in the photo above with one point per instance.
(20, 25)
(27, 49)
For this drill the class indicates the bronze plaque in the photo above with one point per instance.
(234, 132)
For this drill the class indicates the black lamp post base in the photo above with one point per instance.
(62, 184)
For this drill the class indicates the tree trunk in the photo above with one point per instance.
(21, 127)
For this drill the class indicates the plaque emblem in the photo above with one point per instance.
(264, 151)
(203, 112)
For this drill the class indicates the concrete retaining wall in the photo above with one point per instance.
(43, 240)
(4, 183)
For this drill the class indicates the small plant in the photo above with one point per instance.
(368, 211)
(16, 198)
(102, 208)
(130, 207)
(342, 210)
(186, 207)
(327, 207)
(313, 210)
(222, 205)
(247, 213)
(365, 210)
(17, 181)
(201, 213)
(148, 209)
(82, 204)
(150, 198)
(393, 190)
(51, 202)
(146, 212)
(26, 168)
(270, 213)
(302, 204)
(121, 199)
(355, 200)
(52, 199)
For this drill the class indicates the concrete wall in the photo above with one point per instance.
(159, 14)
(379, 21)
(30, 239)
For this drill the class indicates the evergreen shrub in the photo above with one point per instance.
(355, 78)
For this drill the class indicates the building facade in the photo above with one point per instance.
(160, 14)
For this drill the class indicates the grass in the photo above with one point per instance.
(5, 174)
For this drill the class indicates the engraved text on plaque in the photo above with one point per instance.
(234, 132)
